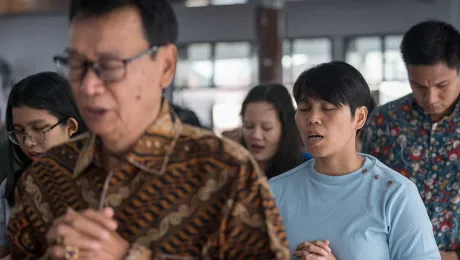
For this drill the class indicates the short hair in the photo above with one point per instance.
(431, 42)
(158, 17)
(289, 154)
(335, 82)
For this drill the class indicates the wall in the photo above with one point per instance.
(30, 41)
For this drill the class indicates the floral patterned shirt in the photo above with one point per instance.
(403, 137)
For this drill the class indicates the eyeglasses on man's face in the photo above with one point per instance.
(36, 136)
(109, 70)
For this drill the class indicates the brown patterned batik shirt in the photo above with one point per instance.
(211, 202)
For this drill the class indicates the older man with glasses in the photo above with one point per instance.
(141, 185)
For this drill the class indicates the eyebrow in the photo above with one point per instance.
(99, 55)
(437, 84)
(33, 122)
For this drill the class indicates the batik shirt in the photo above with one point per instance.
(403, 137)
(212, 202)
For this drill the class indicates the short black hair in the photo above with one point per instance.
(289, 154)
(158, 17)
(336, 82)
(431, 42)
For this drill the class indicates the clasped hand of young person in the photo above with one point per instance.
(316, 250)
(90, 233)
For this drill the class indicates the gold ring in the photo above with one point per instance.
(59, 241)
(71, 253)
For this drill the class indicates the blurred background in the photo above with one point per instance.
(228, 46)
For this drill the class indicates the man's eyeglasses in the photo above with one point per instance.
(108, 69)
(34, 135)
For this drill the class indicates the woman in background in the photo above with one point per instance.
(41, 113)
(269, 131)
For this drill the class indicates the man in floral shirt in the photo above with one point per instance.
(419, 135)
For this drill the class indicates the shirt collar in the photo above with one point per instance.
(149, 153)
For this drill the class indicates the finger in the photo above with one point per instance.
(51, 235)
(313, 257)
(302, 246)
(72, 237)
(91, 228)
(313, 249)
(322, 245)
(108, 212)
(101, 219)
(58, 252)
(299, 253)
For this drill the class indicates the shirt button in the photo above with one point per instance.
(389, 183)
(376, 177)
(364, 171)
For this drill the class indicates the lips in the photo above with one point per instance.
(256, 148)
(34, 155)
(95, 113)
(314, 137)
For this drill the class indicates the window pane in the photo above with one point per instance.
(309, 52)
(286, 61)
(394, 65)
(233, 65)
(228, 2)
(365, 54)
(196, 3)
(226, 110)
(194, 67)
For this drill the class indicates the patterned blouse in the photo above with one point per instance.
(212, 202)
(403, 137)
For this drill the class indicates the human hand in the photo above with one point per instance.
(449, 255)
(87, 235)
(316, 250)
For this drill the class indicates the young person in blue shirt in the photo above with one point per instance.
(343, 204)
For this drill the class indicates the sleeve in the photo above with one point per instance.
(4, 215)
(410, 231)
(252, 226)
(26, 226)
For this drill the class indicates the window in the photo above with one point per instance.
(194, 66)
(394, 65)
(301, 54)
(200, 3)
(233, 65)
(379, 60)
(365, 54)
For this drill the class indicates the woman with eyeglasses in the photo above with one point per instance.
(41, 113)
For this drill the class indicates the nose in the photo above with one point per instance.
(28, 142)
(432, 96)
(314, 118)
(257, 133)
(91, 84)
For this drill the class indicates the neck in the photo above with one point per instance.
(339, 164)
(118, 145)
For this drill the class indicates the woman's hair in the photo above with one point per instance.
(45, 91)
(289, 153)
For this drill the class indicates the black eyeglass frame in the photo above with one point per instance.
(59, 60)
(12, 133)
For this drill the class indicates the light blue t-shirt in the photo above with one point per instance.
(373, 213)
